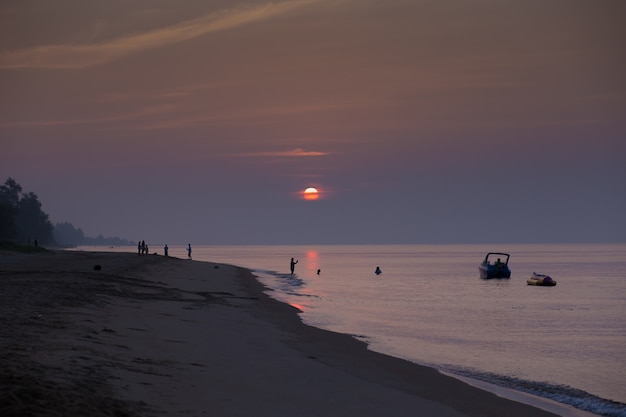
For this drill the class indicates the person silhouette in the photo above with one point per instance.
(378, 271)
(318, 271)
(189, 251)
(292, 265)
(165, 249)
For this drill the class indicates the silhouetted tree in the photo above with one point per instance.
(31, 222)
(66, 235)
(9, 199)
(7, 224)
(22, 219)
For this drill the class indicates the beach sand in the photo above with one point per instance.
(155, 336)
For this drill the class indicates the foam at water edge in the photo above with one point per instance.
(560, 393)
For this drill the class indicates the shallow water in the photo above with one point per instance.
(430, 306)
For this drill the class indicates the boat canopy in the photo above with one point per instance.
(497, 254)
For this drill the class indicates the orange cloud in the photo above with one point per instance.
(293, 153)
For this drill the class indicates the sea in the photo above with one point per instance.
(562, 345)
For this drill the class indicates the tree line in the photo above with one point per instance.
(22, 221)
(21, 218)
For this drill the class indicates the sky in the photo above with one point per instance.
(418, 121)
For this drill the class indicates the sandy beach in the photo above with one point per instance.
(155, 336)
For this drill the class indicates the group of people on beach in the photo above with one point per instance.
(142, 248)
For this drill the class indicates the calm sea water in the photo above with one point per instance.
(429, 306)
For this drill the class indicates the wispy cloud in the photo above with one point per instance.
(147, 112)
(292, 153)
(85, 56)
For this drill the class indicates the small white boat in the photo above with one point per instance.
(541, 280)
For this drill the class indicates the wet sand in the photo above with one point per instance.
(155, 336)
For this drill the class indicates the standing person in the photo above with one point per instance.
(165, 249)
(292, 265)
(143, 246)
(138, 248)
(189, 251)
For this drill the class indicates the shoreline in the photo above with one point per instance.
(148, 335)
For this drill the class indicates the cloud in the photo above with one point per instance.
(85, 56)
(153, 111)
(292, 153)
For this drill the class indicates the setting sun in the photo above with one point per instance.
(311, 194)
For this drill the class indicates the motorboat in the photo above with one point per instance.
(498, 268)
(541, 280)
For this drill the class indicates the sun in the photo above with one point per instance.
(311, 193)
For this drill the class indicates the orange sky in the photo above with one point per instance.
(191, 120)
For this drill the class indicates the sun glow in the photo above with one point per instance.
(311, 194)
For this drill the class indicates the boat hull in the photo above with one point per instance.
(490, 271)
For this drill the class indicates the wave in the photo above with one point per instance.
(289, 284)
(561, 393)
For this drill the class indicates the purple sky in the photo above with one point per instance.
(418, 121)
